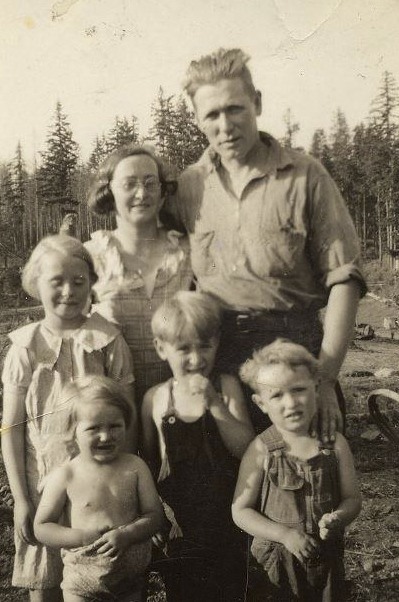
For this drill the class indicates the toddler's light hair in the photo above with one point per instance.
(281, 351)
(222, 64)
(90, 389)
(65, 245)
(187, 316)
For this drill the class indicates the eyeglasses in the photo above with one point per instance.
(133, 184)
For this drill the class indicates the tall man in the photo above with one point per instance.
(270, 234)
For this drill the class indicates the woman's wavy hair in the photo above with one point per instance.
(101, 199)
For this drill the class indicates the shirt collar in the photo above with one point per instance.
(279, 157)
(96, 333)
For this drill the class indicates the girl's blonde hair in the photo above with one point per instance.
(92, 388)
(67, 246)
(281, 351)
(187, 316)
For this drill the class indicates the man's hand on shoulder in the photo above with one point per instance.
(328, 419)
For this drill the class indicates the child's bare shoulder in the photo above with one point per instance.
(133, 462)
(258, 451)
(156, 399)
(62, 475)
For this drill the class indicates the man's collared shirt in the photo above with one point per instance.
(281, 244)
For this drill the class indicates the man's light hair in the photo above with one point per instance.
(187, 316)
(281, 351)
(222, 64)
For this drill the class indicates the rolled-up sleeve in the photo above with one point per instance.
(334, 244)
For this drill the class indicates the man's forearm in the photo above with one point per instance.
(338, 327)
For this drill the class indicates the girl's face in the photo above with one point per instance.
(288, 396)
(100, 431)
(136, 189)
(64, 287)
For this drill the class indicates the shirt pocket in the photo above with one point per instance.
(203, 256)
(283, 251)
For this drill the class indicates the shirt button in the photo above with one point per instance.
(234, 268)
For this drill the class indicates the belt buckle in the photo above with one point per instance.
(240, 318)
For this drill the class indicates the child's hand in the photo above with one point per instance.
(113, 542)
(23, 521)
(198, 384)
(300, 544)
(329, 525)
(89, 536)
(202, 386)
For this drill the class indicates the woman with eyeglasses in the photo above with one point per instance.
(140, 263)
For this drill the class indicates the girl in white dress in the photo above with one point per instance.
(43, 357)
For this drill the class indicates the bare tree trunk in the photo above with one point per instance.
(364, 221)
(379, 227)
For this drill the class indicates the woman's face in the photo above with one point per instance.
(137, 189)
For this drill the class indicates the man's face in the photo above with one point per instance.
(226, 114)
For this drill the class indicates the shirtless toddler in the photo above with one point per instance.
(101, 507)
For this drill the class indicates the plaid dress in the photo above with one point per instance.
(123, 298)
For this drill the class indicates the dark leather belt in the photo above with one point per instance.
(273, 319)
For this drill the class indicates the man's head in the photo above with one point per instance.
(225, 102)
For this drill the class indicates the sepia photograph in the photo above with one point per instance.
(199, 301)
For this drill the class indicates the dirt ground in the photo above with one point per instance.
(372, 541)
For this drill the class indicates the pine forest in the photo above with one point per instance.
(364, 163)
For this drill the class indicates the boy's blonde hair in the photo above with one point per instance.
(222, 64)
(187, 316)
(281, 351)
(63, 244)
(92, 388)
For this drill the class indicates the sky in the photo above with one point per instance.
(103, 58)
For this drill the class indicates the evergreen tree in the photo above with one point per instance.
(341, 155)
(162, 132)
(189, 140)
(19, 185)
(99, 153)
(176, 135)
(385, 107)
(291, 129)
(8, 241)
(124, 132)
(55, 176)
(384, 130)
(320, 149)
